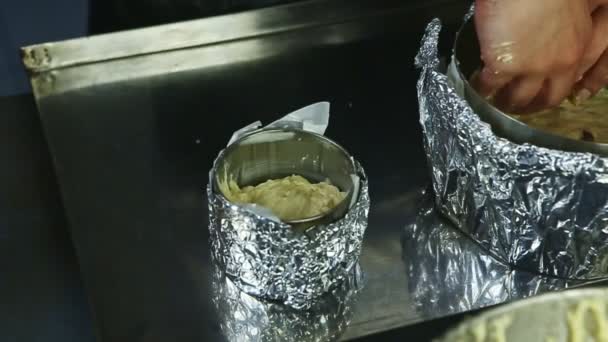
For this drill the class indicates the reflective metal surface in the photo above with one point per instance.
(132, 156)
(450, 273)
(206, 32)
(186, 47)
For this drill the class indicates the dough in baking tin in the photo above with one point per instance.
(586, 321)
(291, 198)
(588, 313)
(587, 121)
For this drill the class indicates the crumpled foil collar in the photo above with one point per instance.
(537, 209)
(247, 318)
(268, 259)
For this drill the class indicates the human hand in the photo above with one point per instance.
(595, 60)
(532, 50)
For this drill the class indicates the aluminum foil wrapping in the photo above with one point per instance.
(537, 209)
(448, 272)
(247, 318)
(266, 258)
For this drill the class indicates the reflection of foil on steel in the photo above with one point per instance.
(450, 273)
(541, 210)
(247, 318)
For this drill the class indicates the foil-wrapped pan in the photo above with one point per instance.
(534, 208)
(275, 260)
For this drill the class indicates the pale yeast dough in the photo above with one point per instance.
(587, 321)
(290, 198)
(587, 121)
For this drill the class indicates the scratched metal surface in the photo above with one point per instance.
(132, 154)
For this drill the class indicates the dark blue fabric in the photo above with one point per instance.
(25, 22)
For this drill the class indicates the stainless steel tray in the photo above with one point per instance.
(135, 119)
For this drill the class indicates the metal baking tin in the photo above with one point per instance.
(295, 263)
(534, 208)
(467, 59)
(275, 153)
